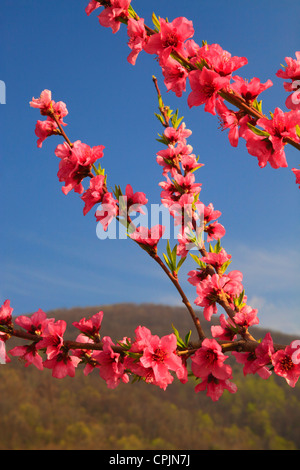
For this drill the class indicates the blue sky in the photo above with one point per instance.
(50, 254)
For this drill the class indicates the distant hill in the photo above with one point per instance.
(38, 412)
(121, 320)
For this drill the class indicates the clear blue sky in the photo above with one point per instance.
(50, 254)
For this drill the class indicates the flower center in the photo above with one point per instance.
(287, 363)
(159, 355)
(211, 356)
(171, 41)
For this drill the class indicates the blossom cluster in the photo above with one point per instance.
(78, 161)
(147, 357)
(211, 73)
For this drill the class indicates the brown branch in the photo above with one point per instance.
(184, 298)
(62, 132)
(162, 108)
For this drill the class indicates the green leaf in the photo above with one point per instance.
(156, 22)
(258, 131)
(169, 249)
(180, 263)
(187, 338)
(167, 262)
(218, 247)
(198, 261)
(180, 342)
(225, 266)
(195, 258)
(257, 105)
(160, 118)
(174, 255)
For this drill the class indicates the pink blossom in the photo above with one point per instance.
(251, 366)
(28, 354)
(226, 330)
(84, 155)
(109, 17)
(86, 356)
(170, 38)
(190, 163)
(52, 338)
(262, 148)
(60, 111)
(181, 185)
(76, 164)
(94, 194)
(210, 289)
(209, 359)
(210, 213)
(44, 129)
(220, 60)
(280, 126)
(284, 365)
(43, 103)
(214, 231)
(196, 276)
(216, 259)
(159, 354)
(48, 108)
(193, 51)
(169, 160)
(215, 387)
(91, 326)
(249, 90)
(228, 120)
(6, 313)
(137, 38)
(297, 174)
(264, 351)
(137, 200)
(148, 238)
(181, 208)
(233, 283)
(187, 240)
(246, 317)
(62, 365)
(171, 157)
(293, 100)
(93, 5)
(109, 210)
(155, 358)
(186, 184)
(111, 367)
(34, 324)
(205, 86)
(292, 70)
(207, 295)
(177, 135)
(175, 76)
(270, 148)
(142, 338)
